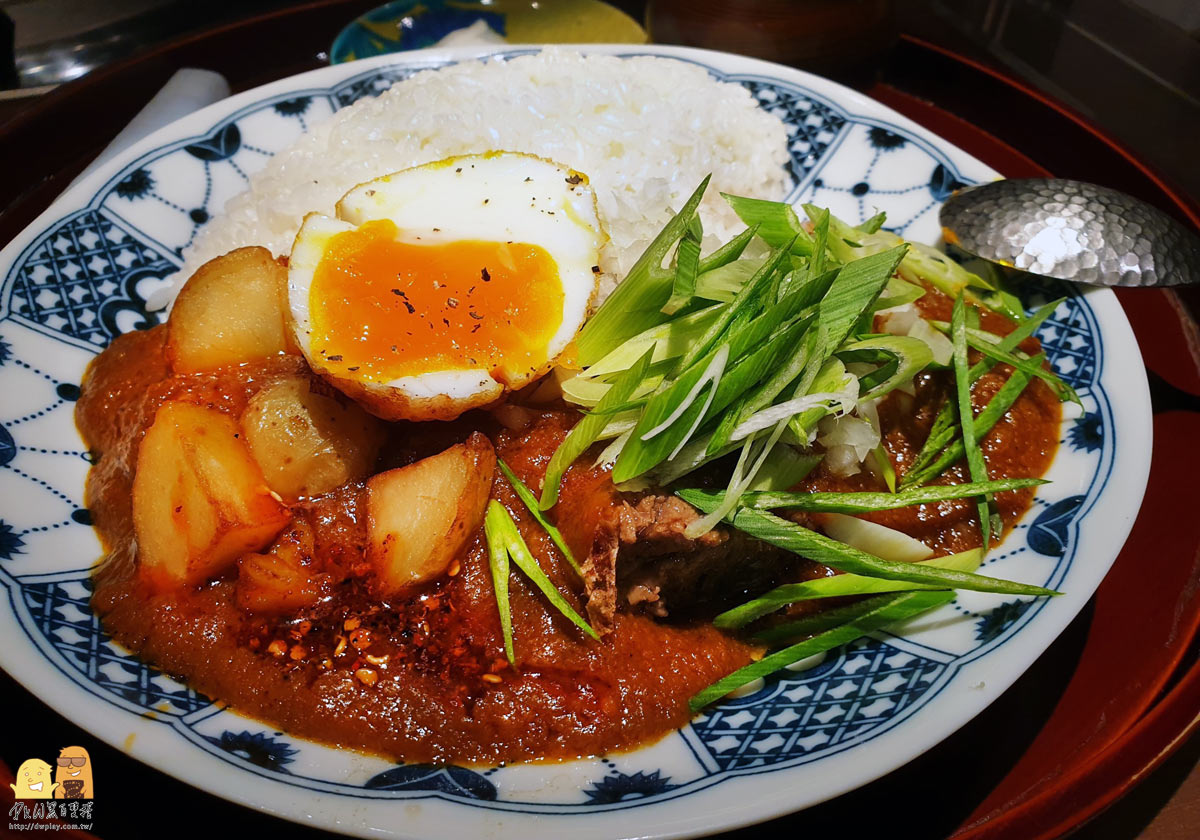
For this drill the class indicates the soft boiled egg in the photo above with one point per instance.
(440, 288)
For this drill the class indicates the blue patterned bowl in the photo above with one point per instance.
(80, 275)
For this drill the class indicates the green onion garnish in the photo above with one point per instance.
(728, 253)
(878, 613)
(531, 504)
(990, 348)
(883, 462)
(499, 526)
(838, 586)
(874, 223)
(999, 404)
(946, 421)
(636, 303)
(498, 562)
(852, 503)
(777, 222)
(587, 431)
(687, 266)
(966, 415)
(821, 549)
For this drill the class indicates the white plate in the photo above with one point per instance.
(79, 275)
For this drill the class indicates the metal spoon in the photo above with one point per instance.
(1072, 231)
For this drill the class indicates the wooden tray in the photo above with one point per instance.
(1103, 706)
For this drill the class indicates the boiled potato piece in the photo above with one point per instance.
(421, 516)
(282, 580)
(199, 498)
(231, 310)
(308, 443)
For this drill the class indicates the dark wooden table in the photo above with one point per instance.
(1100, 711)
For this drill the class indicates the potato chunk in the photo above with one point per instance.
(308, 443)
(199, 499)
(284, 579)
(232, 310)
(421, 516)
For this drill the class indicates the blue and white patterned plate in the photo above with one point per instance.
(80, 274)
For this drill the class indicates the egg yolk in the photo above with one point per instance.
(381, 309)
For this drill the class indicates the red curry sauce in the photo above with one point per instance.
(424, 678)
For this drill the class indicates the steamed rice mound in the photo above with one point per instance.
(645, 130)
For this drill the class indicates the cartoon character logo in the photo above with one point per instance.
(33, 780)
(73, 775)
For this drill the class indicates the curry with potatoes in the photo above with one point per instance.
(283, 550)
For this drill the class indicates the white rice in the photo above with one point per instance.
(645, 131)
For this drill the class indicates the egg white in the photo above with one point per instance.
(496, 197)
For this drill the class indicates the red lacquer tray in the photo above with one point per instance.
(1102, 707)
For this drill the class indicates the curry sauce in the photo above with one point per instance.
(424, 677)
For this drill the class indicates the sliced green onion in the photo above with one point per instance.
(818, 622)
(670, 341)
(883, 462)
(897, 293)
(874, 223)
(587, 431)
(993, 350)
(742, 306)
(886, 610)
(531, 502)
(778, 224)
(966, 415)
(999, 404)
(499, 522)
(752, 367)
(911, 354)
(990, 345)
(816, 263)
(687, 266)
(729, 252)
(819, 548)
(831, 376)
(635, 304)
(724, 282)
(786, 410)
(857, 286)
(942, 272)
(810, 290)
(853, 503)
(942, 431)
(709, 378)
(609, 455)
(838, 586)
(786, 468)
(920, 263)
(498, 562)
(853, 290)
(671, 417)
